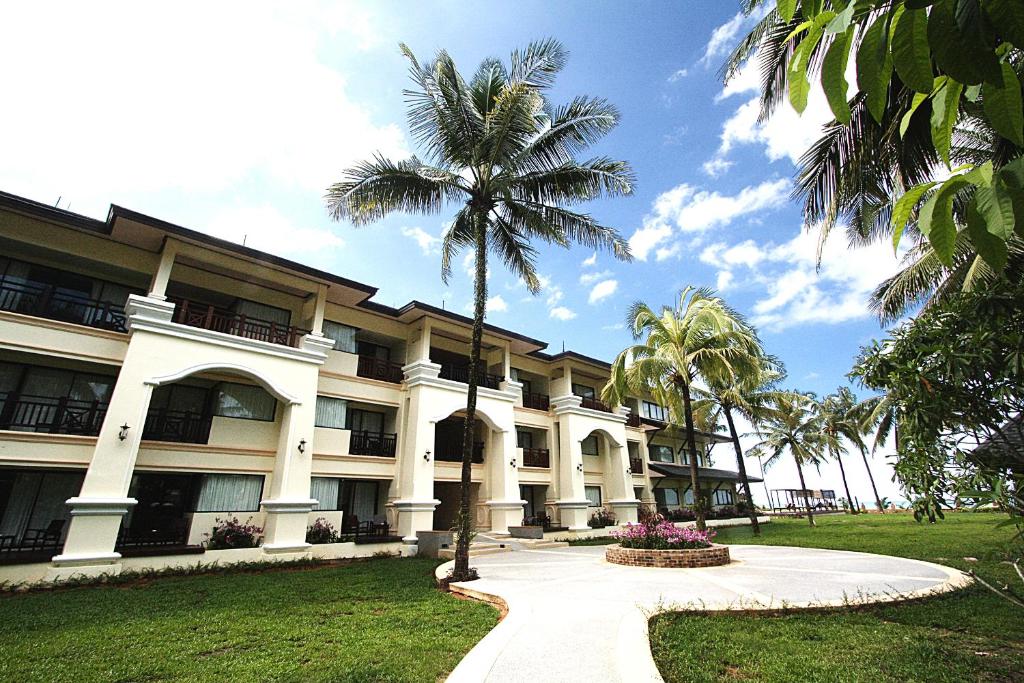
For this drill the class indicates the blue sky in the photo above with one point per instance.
(233, 119)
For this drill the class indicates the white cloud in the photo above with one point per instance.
(602, 290)
(678, 74)
(686, 208)
(664, 253)
(747, 79)
(588, 278)
(615, 326)
(163, 102)
(716, 167)
(561, 313)
(265, 228)
(724, 280)
(496, 304)
(590, 260)
(428, 243)
(723, 38)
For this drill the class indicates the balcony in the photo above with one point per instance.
(451, 451)
(48, 301)
(594, 404)
(460, 373)
(177, 426)
(373, 443)
(536, 457)
(379, 369)
(633, 420)
(209, 317)
(636, 465)
(537, 401)
(51, 415)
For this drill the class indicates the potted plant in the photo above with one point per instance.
(231, 534)
(321, 531)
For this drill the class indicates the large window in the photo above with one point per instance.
(331, 412)
(723, 497)
(593, 494)
(589, 445)
(661, 453)
(344, 336)
(524, 439)
(653, 411)
(702, 459)
(326, 491)
(365, 421)
(230, 493)
(245, 402)
(583, 390)
(666, 497)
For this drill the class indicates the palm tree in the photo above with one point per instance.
(752, 396)
(794, 427)
(878, 413)
(841, 418)
(701, 338)
(494, 145)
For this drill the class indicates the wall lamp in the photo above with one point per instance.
(426, 456)
(628, 471)
(579, 468)
(302, 445)
(512, 463)
(123, 434)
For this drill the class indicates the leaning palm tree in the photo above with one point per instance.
(504, 159)
(794, 427)
(699, 339)
(877, 414)
(841, 422)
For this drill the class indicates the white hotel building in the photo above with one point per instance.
(154, 379)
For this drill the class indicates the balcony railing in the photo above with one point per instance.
(595, 404)
(51, 415)
(451, 451)
(537, 401)
(536, 457)
(46, 301)
(633, 420)
(636, 465)
(210, 317)
(460, 373)
(376, 368)
(372, 443)
(177, 426)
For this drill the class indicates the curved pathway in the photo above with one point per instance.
(573, 616)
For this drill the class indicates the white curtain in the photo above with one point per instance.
(364, 503)
(344, 336)
(593, 494)
(325, 490)
(230, 493)
(245, 401)
(251, 309)
(330, 412)
(688, 497)
(19, 506)
(54, 492)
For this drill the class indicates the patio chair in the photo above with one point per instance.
(43, 538)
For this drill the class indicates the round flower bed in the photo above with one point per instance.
(656, 542)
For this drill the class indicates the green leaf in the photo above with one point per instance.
(1008, 15)
(978, 175)
(996, 207)
(973, 92)
(936, 219)
(841, 22)
(919, 4)
(799, 86)
(991, 248)
(833, 75)
(1004, 107)
(903, 208)
(874, 67)
(965, 58)
(910, 53)
(945, 108)
(914, 104)
(1011, 179)
(786, 8)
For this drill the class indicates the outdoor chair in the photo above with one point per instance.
(43, 538)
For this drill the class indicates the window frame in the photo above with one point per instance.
(316, 411)
(215, 410)
(600, 497)
(661, 448)
(597, 445)
(652, 411)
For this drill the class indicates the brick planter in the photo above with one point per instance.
(714, 556)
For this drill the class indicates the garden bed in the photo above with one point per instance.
(714, 556)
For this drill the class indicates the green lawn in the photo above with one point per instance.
(380, 620)
(970, 635)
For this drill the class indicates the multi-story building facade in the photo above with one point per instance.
(154, 379)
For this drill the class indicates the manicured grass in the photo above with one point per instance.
(380, 620)
(971, 635)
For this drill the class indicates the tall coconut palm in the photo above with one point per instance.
(877, 414)
(699, 339)
(841, 422)
(752, 396)
(505, 160)
(792, 427)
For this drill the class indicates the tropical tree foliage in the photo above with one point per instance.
(699, 339)
(504, 159)
(843, 421)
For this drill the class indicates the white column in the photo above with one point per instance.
(414, 508)
(502, 467)
(158, 286)
(572, 502)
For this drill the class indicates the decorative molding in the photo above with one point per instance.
(415, 505)
(81, 559)
(71, 328)
(573, 504)
(288, 505)
(505, 504)
(279, 548)
(624, 502)
(420, 370)
(426, 373)
(40, 437)
(97, 507)
(317, 343)
(145, 308)
(570, 405)
(252, 373)
(560, 403)
(511, 385)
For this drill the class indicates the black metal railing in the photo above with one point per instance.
(47, 301)
(372, 443)
(210, 317)
(178, 426)
(633, 420)
(383, 370)
(167, 532)
(536, 457)
(595, 404)
(51, 415)
(451, 451)
(460, 373)
(636, 465)
(536, 401)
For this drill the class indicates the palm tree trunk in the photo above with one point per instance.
(878, 499)
(842, 471)
(742, 466)
(461, 570)
(691, 443)
(803, 486)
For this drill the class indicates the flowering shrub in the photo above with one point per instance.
(680, 515)
(321, 532)
(602, 518)
(658, 533)
(230, 533)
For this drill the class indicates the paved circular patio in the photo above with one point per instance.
(573, 616)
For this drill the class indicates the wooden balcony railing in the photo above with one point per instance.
(177, 426)
(451, 451)
(376, 368)
(536, 457)
(372, 443)
(460, 373)
(536, 401)
(595, 404)
(210, 317)
(633, 420)
(51, 415)
(636, 465)
(47, 301)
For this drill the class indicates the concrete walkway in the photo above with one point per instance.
(573, 616)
